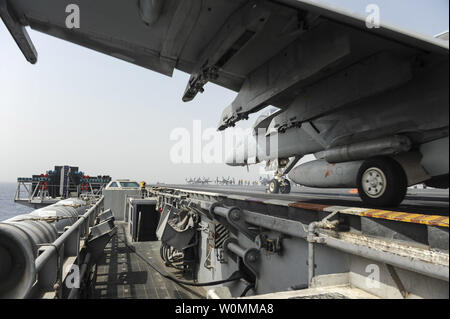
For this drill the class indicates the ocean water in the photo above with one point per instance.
(8, 208)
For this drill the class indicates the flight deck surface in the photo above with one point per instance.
(422, 201)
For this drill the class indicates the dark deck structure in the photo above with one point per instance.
(122, 274)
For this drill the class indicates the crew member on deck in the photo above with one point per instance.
(143, 189)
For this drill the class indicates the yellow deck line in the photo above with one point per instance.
(432, 220)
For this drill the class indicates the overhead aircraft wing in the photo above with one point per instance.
(265, 50)
(388, 31)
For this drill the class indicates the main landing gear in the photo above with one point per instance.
(382, 182)
(279, 184)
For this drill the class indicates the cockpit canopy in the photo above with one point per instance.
(123, 184)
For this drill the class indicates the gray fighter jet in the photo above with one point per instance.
(380, 142)
(370, 100)
(205, 181)
(225, 181)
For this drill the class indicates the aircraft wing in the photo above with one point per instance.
(265, 50)
(407, 37)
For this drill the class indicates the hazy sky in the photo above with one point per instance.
(83, 108)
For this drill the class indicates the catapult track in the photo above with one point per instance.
(437, 216)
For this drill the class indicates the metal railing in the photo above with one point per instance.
(55, 256)
(28, 191)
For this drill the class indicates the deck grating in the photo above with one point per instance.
(122, 274)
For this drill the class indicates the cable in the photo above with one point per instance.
(235, 276)
(247, 289)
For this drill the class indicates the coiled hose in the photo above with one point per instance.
(237, 275)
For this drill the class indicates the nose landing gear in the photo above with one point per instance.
(280, 184)
(274, 186)
(285, 187)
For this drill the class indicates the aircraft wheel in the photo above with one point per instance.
(274, 186)
(382, 182)
(285, 188)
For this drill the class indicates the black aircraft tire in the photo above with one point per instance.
(382, 182)
(286, 188)
(274, 186)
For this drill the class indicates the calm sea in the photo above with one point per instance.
(8, 208)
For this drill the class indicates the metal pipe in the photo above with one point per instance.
(284, 226)
(236, 249)
(296, 229)
(20, 239)
(138, 228)
(221, 211)
(45, 256)
(78, 204)
(60, 216)
(436, 271)
(311, 260)
(19, 242)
